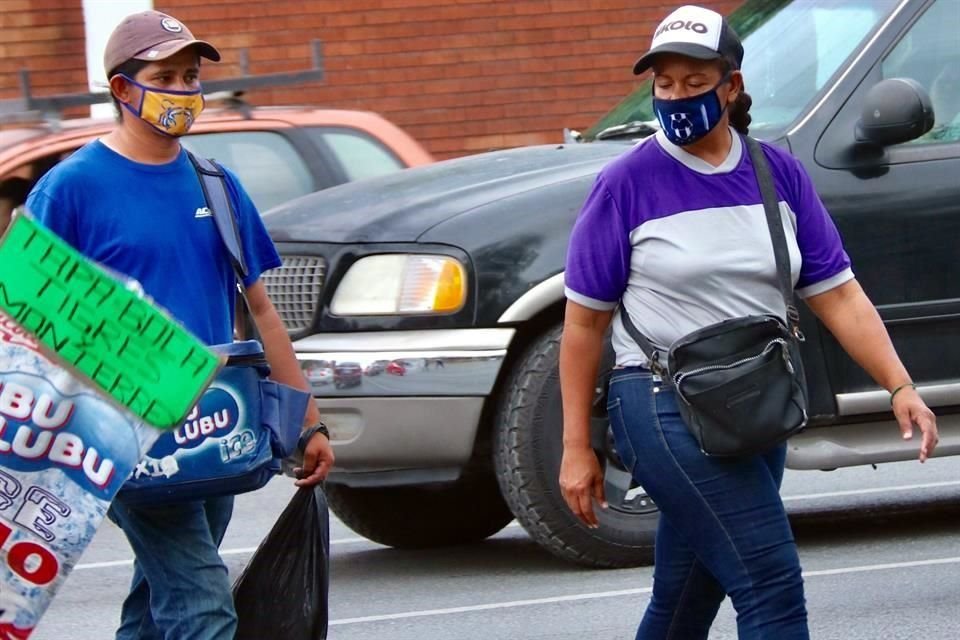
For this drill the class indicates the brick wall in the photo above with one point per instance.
(46, 37)
(461, 76)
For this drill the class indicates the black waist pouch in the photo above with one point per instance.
(740, 382)
(740, 385)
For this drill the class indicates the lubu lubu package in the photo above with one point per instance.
(65, 450)
(88, 370)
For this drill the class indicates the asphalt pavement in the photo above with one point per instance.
(879, 549)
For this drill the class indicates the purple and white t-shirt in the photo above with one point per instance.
(682, 244)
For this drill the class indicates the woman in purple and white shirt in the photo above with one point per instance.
(674, 233)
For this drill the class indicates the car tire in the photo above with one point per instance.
(528, 447)
(419, 517)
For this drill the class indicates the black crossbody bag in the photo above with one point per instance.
(739, 383)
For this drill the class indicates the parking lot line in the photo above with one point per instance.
(858, 492)
(515, 524)
(909, 564)
(621, 592)
(494, 605)
(224, 552)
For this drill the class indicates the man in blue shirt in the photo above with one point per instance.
(132, 201)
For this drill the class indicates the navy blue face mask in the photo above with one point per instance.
(687, 120)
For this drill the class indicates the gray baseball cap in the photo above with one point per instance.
(151, 36)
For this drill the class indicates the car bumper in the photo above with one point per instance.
(424, 419)
(850, 445)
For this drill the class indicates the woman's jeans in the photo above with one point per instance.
(180, 588)
(723, 529)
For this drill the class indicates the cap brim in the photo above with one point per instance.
(164, 50)
(691, 50)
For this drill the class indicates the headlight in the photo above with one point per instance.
(395, 284)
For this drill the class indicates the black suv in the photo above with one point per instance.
(456, 269)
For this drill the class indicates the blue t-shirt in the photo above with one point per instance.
(150, 223)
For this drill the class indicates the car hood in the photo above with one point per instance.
(402, 206)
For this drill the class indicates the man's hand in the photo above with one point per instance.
(317, 461)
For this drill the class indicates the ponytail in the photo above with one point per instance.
(740, 113)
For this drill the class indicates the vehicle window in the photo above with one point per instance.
(18, 182)
(791, 50)
(930, 54)
(798, 50)
(267, 164)
(13, 193)
(360, 155)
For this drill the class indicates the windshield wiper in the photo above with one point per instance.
(634, 129)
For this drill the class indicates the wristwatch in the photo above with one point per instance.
(309, 432)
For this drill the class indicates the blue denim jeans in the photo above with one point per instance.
(180, 588)
(723, 529)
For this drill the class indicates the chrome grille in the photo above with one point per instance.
(295, 289)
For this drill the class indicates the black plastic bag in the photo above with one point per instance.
(283, 591)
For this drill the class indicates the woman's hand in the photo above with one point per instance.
(581, 482)
(910, 409)
(581, 479)
(853, 320)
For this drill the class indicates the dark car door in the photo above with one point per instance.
(899, 213)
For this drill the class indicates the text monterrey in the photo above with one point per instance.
(100, 328)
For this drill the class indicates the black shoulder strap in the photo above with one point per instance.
(782, 257)
(771, 207)
(656, 364)
(214, 184)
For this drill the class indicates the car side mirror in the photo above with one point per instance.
(894, 111)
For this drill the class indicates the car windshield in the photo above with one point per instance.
(792, 49)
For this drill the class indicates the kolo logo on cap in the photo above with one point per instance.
(689, 24)
(171, 25)
(698, 27)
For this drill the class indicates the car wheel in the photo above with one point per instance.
(528, 447)
(416, 517)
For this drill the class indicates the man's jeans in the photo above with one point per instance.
(723, 529)
(180, 588)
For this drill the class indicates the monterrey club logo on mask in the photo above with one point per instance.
(686, 120)
(681, 125)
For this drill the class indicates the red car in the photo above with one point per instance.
(347, 374)
(396, 368)
(279, 153)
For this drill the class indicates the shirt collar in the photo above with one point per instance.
(699, 165)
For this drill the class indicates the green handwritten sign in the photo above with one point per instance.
(99, 328)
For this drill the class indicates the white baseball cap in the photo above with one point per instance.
(696, 32)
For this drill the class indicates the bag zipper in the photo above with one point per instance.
(678, 378)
